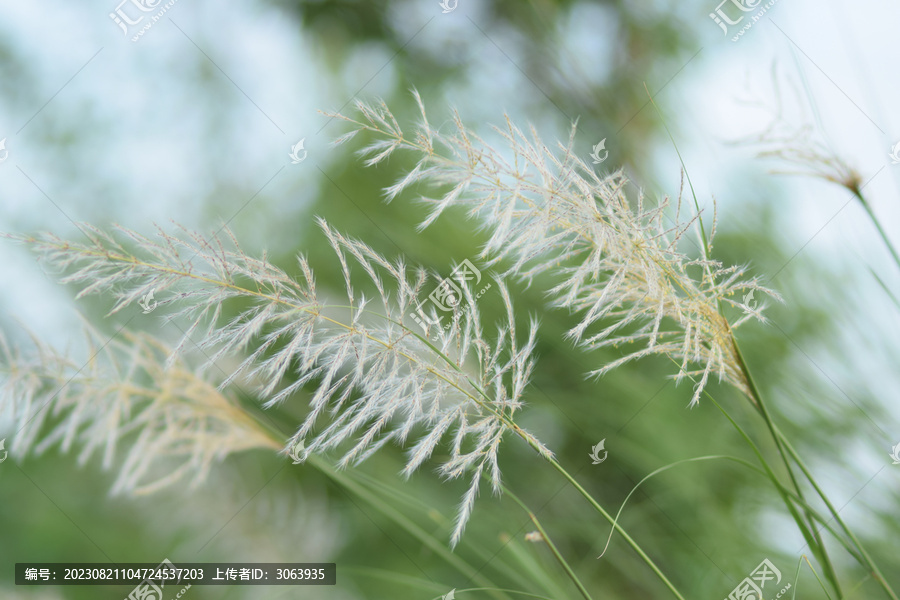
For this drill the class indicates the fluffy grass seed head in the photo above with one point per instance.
(174, 424)
(621, 264)
(376, 377)
(790, 137)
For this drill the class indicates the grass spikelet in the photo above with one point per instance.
(174, 424)
(377, 380)
(621, 265)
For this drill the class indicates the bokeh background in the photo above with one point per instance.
(193, 124)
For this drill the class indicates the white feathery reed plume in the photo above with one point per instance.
(174, 423)
(548, 210)
(376, 379)
(791, 137)
(798, 145)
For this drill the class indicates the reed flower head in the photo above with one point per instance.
(376, 379)
(621, 264)
(174, 423)
(799, 146)
(792, 138)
